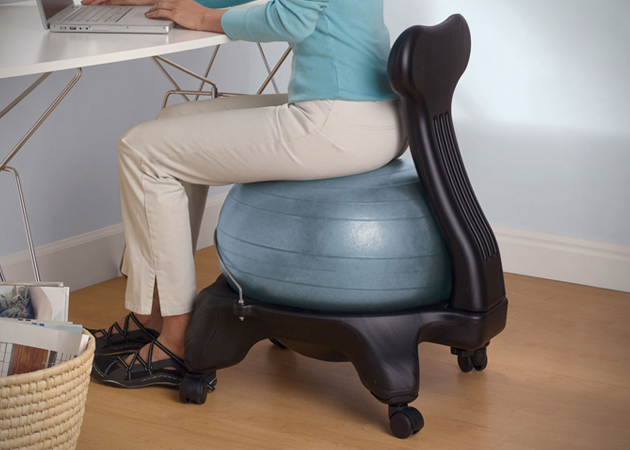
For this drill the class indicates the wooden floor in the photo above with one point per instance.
(558, 378)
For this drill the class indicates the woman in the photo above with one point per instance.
(340, 118)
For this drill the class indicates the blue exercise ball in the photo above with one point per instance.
(363, 243)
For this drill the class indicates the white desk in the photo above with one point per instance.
(26, 48)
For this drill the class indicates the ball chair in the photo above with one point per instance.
(363, 268)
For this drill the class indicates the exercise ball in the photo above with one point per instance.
(360, 244)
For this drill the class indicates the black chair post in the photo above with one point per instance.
(424, 67)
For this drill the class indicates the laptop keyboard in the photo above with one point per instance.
(98, 14)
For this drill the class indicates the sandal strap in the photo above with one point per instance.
(124, 331)
(120, 360)
(167, 351)
(148, 365)
(137, 357)
(137, 322)
(121, 331)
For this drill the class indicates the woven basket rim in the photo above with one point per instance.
(42, 374)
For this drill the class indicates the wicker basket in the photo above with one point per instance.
(44, 409)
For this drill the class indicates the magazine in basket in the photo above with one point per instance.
(34, 331)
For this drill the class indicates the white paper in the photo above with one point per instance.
(48, 302)
(60, 341)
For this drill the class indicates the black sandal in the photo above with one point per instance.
(140, 373)
(124, 341)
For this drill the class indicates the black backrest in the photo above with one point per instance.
(425, 65)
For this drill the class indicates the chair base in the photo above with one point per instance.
(382, 347)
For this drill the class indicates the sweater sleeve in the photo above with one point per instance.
(278, 20)
(221, 3)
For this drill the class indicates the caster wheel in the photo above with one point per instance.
(465, 363)
(405, 421)
(480, 359)
(277, 343)
(194, 388)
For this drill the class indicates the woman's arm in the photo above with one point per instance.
(278, 20)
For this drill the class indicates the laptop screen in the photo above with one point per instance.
(52, 7)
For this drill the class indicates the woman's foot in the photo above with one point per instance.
(126, 335)
(157, 363)
(152, 365)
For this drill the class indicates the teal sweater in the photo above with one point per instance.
(340, 47)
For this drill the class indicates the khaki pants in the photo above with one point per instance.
(166, 166)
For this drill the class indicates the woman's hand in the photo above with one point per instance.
(118, 2)
(187, 13)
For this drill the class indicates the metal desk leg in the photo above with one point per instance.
(27, 227)
(264, 58)
(178, 90)
(210, 64)
(4, 164)
(214, 93)
(272, 73)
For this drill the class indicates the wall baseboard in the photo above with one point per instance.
(91, 258)
(79, 261)
(564, 258)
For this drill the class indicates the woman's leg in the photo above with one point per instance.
(157, 159)
(197, 194)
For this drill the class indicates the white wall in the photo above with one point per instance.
(542, 119)
(542, 112)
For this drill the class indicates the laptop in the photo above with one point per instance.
(66, 17)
